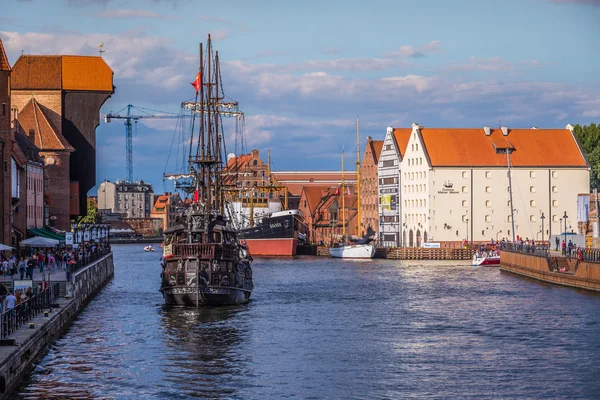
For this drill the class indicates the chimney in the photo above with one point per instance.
(487, 130)
(504, 130)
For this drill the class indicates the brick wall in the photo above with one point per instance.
(59, 188)
(145, 226)
(5, 150)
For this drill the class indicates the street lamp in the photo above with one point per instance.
(542, 218)
(565, 219)
(467, 223)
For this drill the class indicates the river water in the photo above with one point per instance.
(319, 328)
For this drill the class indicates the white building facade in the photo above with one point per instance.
(455, 186)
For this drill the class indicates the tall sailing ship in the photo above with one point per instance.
(204, 262)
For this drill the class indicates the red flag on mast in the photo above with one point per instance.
(196, 84)
(196, 196)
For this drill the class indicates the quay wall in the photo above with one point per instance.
(582, 275)
(410, 253)
(32, 344)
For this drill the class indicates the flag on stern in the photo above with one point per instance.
(196, 84)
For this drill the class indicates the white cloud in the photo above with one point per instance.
(418, 52)
(129, 14)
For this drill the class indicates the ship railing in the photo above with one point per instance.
(194, 250)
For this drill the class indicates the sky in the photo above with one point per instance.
(304, 71)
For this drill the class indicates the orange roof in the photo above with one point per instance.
(4, 65)
(313, 195)
(376, 146)
(163, 200)
(402, 136)
(33, 119)
(449, 147)
(86, 73)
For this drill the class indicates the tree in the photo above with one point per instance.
(92, 213)
(589, 139)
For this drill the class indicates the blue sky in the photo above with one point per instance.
(303, 71)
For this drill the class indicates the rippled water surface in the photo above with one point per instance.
(330, 329)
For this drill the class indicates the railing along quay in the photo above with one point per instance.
(14, 318)
(414, 253)
(86, 260)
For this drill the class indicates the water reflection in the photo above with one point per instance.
(202, 357)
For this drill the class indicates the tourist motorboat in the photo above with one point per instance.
(486, 259)
(148, 248)
(353, 251)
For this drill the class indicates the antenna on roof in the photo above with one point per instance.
(100, 49)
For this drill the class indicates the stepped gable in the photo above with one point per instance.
(4, 64)
(73, 73)
(39, 129)
(460, 147)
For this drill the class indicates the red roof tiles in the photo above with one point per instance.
(4, 64)
(33, 120)
(449, 147)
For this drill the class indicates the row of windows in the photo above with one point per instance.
(34, 184)
(414, 175)
(415, 203)
(34, 211)
(415, 218)
(415, 161)
(488, 174)
(415, 188)
(532, 218)
(488, 189)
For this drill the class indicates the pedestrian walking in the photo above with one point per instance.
(22, 267)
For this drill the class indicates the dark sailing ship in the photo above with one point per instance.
(204, 263)
(274, 235)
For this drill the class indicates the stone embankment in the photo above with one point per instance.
(30, 345)
(401, 253)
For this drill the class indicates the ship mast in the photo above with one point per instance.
(343, 204)
(358, 176)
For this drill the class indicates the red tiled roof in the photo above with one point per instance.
(85, 73)
(402, 136)
(4, 64)
(45, 135)
(450, 147)
(164, 202)
(376, 146)
(313, 195)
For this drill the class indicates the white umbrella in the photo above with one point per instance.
(5, 247)
(39, 241)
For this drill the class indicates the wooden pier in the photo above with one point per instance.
(412, 253)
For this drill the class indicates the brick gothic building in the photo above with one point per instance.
(369, 215)
(5, 148)
(60, 97)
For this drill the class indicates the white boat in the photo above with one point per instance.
(361, 247)
(148, 248)
(353, 251)
(486, 260)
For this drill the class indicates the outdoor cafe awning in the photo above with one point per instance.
(47, 233)
(39, 241)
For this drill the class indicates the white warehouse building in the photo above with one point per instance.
(452, 184)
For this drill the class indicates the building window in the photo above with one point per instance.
(464, 189)
(532, 203)
(532, 189)
(555, 218)
(488, 203)
(509, 218)
(488, 174)
(554, 174)
(417, 147)
(412, 147)
(488, 218)
(532, 174)
(388, 146)
(464, 218)
(532, 218)
(464, 174)
(464, 203)
(554, 203)
(488, 189)
(554, 189)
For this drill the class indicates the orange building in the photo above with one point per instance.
(369, 213)
(165, 208)
(58, 99)
(324, 216)
(295, 181)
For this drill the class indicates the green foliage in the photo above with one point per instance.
(589, 139)
(92, 213)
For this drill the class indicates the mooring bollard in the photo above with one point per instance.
(45, 313)
(31, 325)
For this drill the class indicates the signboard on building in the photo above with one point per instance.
(388, 202)
(431, 245)
(79, 234)
(447, 188)
(389, 190)
(86, 236)
(22, 284)
(69, 238)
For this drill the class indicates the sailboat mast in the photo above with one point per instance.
(217, 141)
(512, 209)
(343, 203)
(358, 176)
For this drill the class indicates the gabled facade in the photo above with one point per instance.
(369, 199)
(454, 184)
(5, 149)
(165, 208)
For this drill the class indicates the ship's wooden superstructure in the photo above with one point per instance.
(204, 262)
